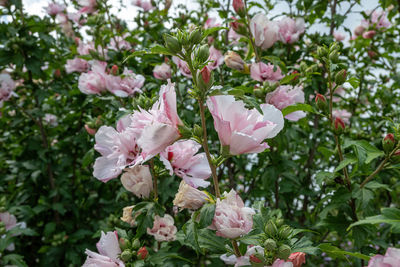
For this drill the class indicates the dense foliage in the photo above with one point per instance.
(209, 136)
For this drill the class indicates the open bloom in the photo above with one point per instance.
(117, 149)
(232, 219)
(88, 6)
(265, 32)
(284, 96)
(377, 18)
(157, 128)
(94, 82)
(163, 228)
(241, 129)
(211, 23)
(189, 197)
(55, 8)
(124, 87)
(390, 259)
(109, 250)
(119, 43)
(216, 57)
(265, 72)
(180, 158)
(290, 29)
(76, 65)
(146, 5)
(246, 259)
(183, 66)
(138, 180)
(162, 72)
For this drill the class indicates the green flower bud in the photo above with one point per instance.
(270, 229)
(203, 53)
(136, 244)
(279, 222)
(258, 92)
(197, 131)
(126, 255)
(285, 231)
(124, 243)
(284, 252)
(388, 143)
(340, 77)
(270, 244)
(195, 36)
(321, 103)
(334, 56)
(172, 44)
(338, 126)
(205, 79)
(321, 51)
(303, 66)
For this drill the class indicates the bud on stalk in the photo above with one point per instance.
(270, 244)
(234, 61)
(284, 252)
(388, 143)
(320, 102)
(172, 44)
(142, 253)
(126, 255)
(114, 70)
(205, 79)
(340, 77)
(338, 126)
(239, 7)
(195, 36)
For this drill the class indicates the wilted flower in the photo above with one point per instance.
(138, 180)
(234, 61)
(216, 58)
(189, 197)
(262, 72)
(109, 250)
(368, 34)
(162, 72)
(265, 32)
(163, 228)
(127, 215)
(183, 66)
(241, 129)
(359, 30)
(232, 219)
(339, 36)
(390, 259)
(180, 158)
(284, 96)
(297, 258)
(290, 29)
(77, 64)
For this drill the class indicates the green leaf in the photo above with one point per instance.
(389, 216)
(210, 241)
(324, 177)
(190, 230)
(354, 82)
(206, 215)
(376, 185)
(288, 78)
(345, 162)
(212, 30)
(297, 107)
(335, 252)
(364, 150)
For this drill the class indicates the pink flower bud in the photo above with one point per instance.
(142, 253)
(388, 142)
(114, 70)
(372, 54)
(205, 74)
(369, 34)
(89, 130)
(57, 73)
(238, 6)
(359, 30)
(339, 125)
(234, 61)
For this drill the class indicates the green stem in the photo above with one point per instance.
(236, 248)
(155, 188)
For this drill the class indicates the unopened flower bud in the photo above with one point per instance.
(372, 54)
(285, 231)
(338, 126)
(396, 156)
(124, 243)
(320, 102)
(270, 229)
(322, 51)
(334, 56)
(239, 8)
(238, 27)
(205, 79)
(234, 61)
(254, 259)
(114, 70)
(270, 244)
(359, 30)
(136, 244)
(284, 252)
(172, 44)
(90, 130)
(195, 36)
(126, 255)
(340, 77)
(279, 222)
(203, 53)
(197, 131)
(388, 143)
(57, 73)
(369, 34)
(142, 253)
(258, 92)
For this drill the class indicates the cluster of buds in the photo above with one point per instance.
(276, 240)
(133, 249)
